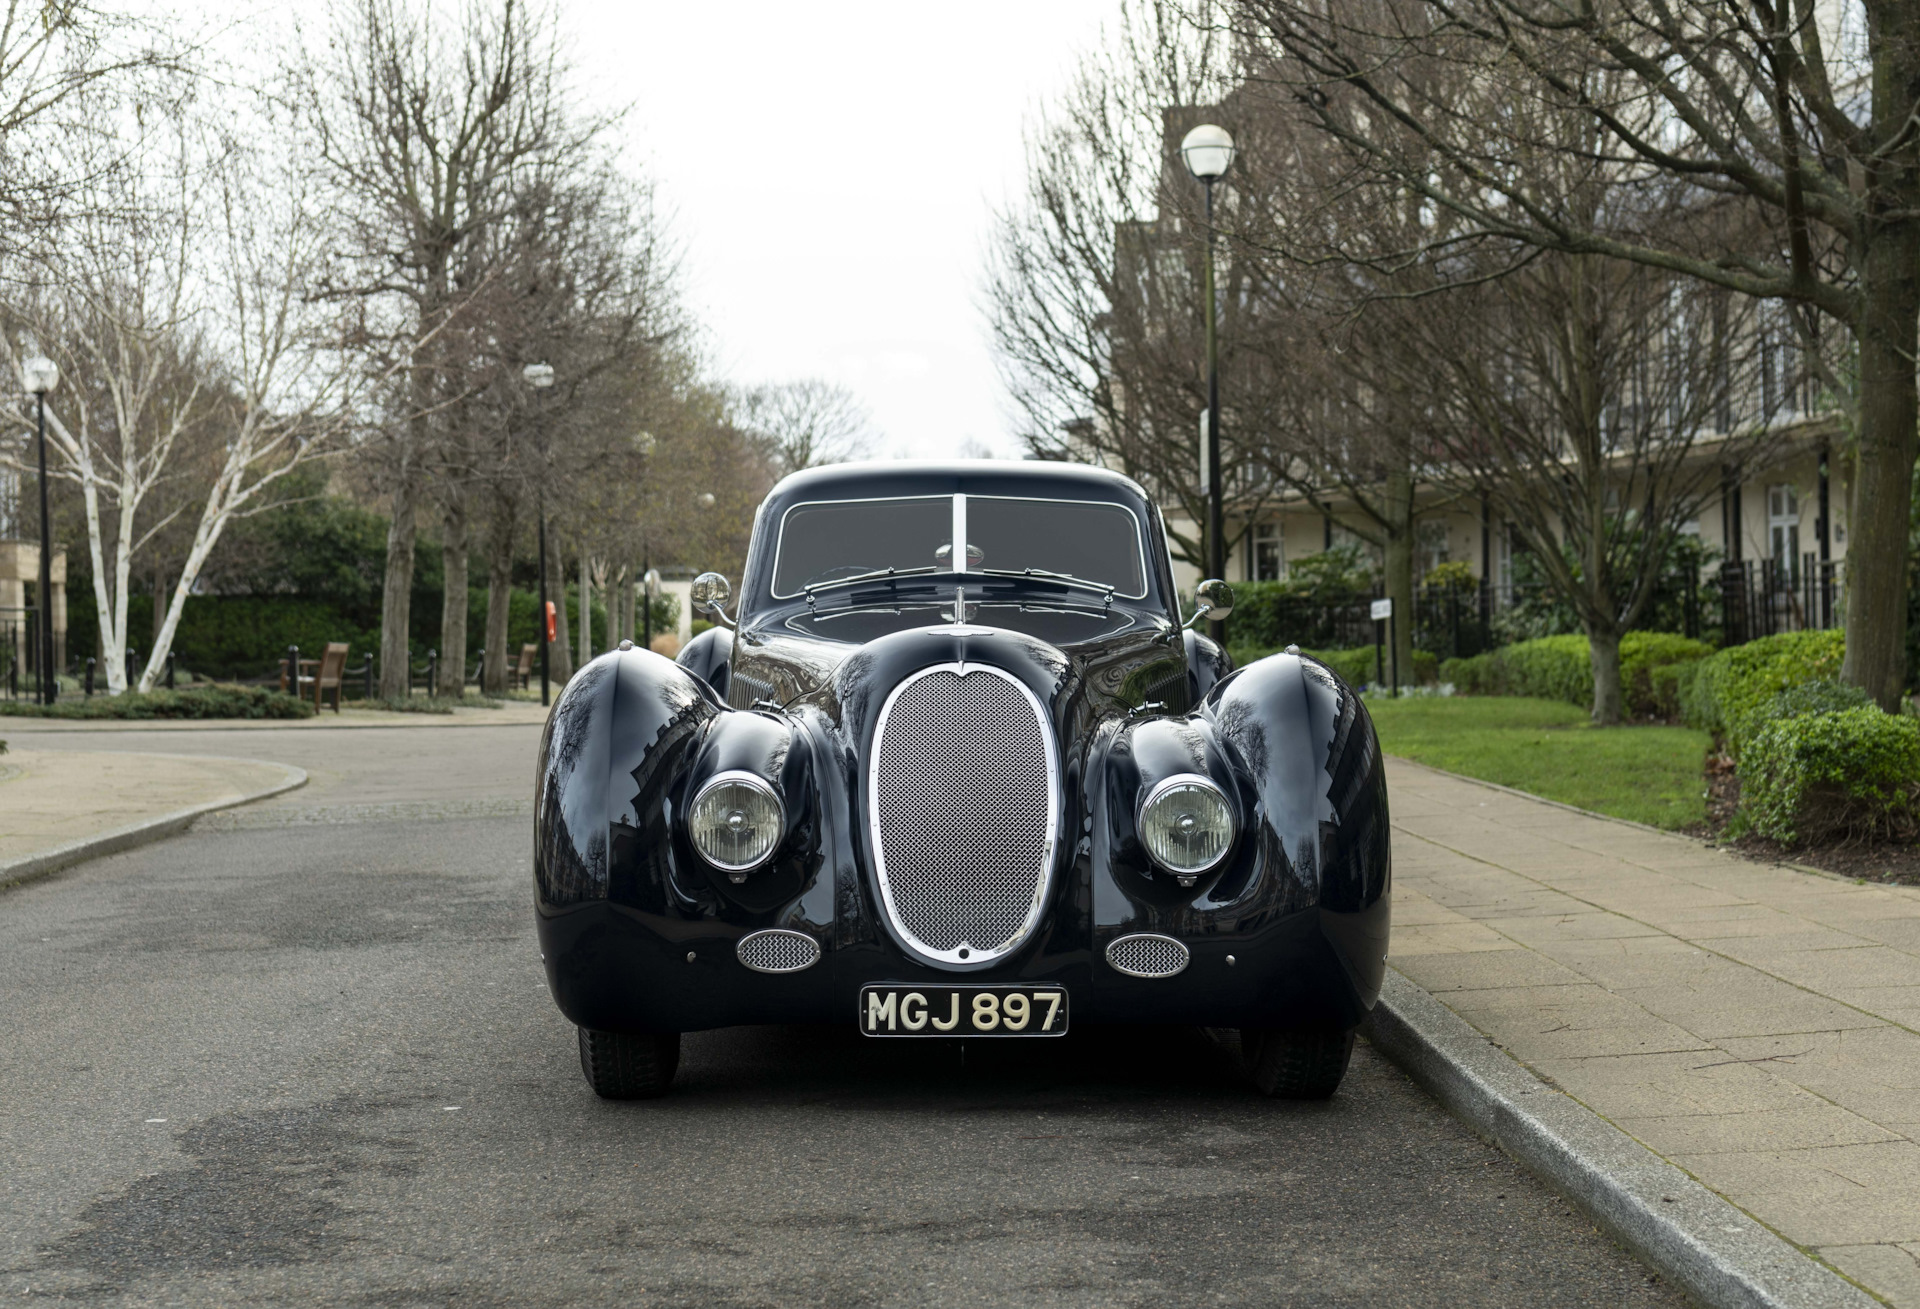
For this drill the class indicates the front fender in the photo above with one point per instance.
(1305, 743)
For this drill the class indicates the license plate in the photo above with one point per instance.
(970, 1011)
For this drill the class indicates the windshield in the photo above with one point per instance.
(831, 539)
(1093, 541)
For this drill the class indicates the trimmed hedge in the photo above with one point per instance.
(247, 635)
(1847, 774)
(1561, 668)
(1733, 692)
(1356, 666)
(216, 701)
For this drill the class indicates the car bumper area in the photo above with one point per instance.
(614, 969)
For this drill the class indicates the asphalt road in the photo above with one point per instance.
(305, 1054)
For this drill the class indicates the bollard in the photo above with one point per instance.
(170, 670)
(293, 671)
(90, 676)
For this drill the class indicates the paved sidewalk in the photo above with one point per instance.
(49, 799)
(1757, 1026)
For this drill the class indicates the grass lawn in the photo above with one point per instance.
(1652, 775)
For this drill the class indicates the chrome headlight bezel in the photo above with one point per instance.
(1160, 790)
(737, 777)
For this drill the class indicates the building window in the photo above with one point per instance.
(1432, 546)
(1269, 553)
(1783, 528)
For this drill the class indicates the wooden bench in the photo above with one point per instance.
(520, 676)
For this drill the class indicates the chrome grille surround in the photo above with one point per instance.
(1147, 954)
(963, 813)
(777, 950)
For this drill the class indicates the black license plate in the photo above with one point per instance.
(971, 1011)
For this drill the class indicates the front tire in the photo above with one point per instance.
(629, 1066)
(1297, 1064)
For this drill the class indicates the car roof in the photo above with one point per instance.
(901, 477)
(886, 479)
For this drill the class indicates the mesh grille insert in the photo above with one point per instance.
(1147, 956)
(962, 809)
(778, 951)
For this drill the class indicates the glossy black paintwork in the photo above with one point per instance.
(638, 932)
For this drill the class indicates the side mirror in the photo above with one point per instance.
(709, 595)
(1212, 600)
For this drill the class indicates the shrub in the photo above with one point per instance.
(1850, 774)
(1734, 688)
(1357, 666)
(1561, 668)
(219, 700)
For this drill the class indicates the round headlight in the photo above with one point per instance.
(1187, 824)
(735, 822)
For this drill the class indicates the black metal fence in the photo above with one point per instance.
(1731, 604)
(1763, 597)
(20, 653)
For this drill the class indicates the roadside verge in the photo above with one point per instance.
(1716, 1253)
(264, 779)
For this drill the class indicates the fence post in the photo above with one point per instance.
(293, 671)
(368, 694)
(433, 670)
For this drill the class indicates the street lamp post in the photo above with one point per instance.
(41, 375)
(1208, 152)
(540, 377)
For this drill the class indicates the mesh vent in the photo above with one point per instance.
(778, 951)
(963, 807)
(1147, 956)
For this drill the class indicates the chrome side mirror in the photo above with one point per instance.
(709, 595)
(1212, 600)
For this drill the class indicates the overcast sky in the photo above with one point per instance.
(831, 166)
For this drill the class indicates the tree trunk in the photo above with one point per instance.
(1397, 564)
(620, 608)
(453, 597)
(493, 677)
(560, 656)
(1604, 648)
(1876, 572)
(586, 614)
(396, 592)
(159, 606)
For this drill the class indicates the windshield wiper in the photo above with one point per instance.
(876, 575)
(1050, 576)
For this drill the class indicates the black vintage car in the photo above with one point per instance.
(957, 769)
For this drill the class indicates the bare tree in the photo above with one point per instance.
(199, 371)
(807, 423)
(1702, 123)
(1094, 284)
(423, 131)
(1596, 407)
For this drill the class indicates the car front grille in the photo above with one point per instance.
(964, 798)
(1147, 955)
(777, 950)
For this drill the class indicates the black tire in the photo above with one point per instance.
(628, 1066)
(1297, 1064)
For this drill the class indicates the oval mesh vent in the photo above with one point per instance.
(777, 950)
(964, 804)
(1147, 955)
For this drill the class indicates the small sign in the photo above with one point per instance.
(1206, 453)
(1382, 610)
